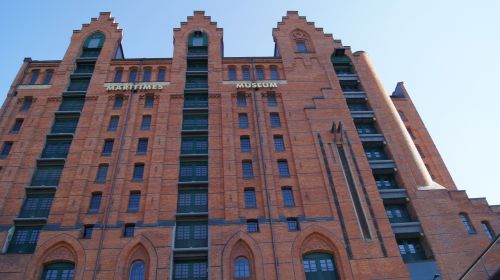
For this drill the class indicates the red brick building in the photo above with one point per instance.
(200, 166)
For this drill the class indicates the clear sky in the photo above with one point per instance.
(447, 52)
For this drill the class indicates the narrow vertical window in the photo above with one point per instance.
(242, 268)
(118, 75)
(7, 146)
(146, 76)
(271, 100)
(287, 194)
(17, 126)
(161, 75)
(467, 223)
(113, 123)
(102, 173)
(134, 201)
(243, 120)
(274, 73)
(146, 122)
(231, 73)
(118, 102)
(138, 172)
(246, 73)
(247, 168)
(137, 270)
(34, 76)
(87, 231)
(48, 77)
(283, 168)
(488, 230)
(252, 226)
(241, 100)
(245, 146)
(279, 143)
(250, 200)
(128, 231)
(275, 120)
(107, 148)
(259, 71)
(28, 100)
(95, 202)
(149, 101)
(142, 146)
(132, 76)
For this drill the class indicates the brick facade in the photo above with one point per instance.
(367, 183)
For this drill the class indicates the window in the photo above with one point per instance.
(132, 76)
(134, 201)
(274, 73)
(190, 270)
(95, 202)
(118, 75)
(87, 231)
(48, 77)
(27, 101)
(320, 266)
(17, 126)
(283, 168)
(7, 146)
(375, 153)
(161, 75)
(231, 73)
(149, 101)
(193, 171)
(357, 107)
(192, 201)
(118, 102)
(246, 73)
(79, 84)
(198, 39)
(250, 201)
(411, 250)
(85, 67)
(467, 223)
(488, 230)
(366, 128)
(293, 224)
(402, 116)
(191, 234)
(271, 100)
(301, 47)
(385, 181)
(195, 122)
(47, 175)
(56, 148)
(242, 268)
(102, 173)
(138, 172)
(287, 194)
(243, 120)
(93, 45)
(247, 168)
(24, 239)
(65, 124)
(245, 146)
(279, 143)
(58, 271)
(275, 120)
(241, 100)
(146, 76)
(72, 103)
(107, 148)
(113, 123)
(34, 76)
(194, 145)
(259, 71)
(350, 85)
(252, 226)
(142, 146)
(37, 205)
(137, 270)
(397, 213)
(146, 122)
(128, 230)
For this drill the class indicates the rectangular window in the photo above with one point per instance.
(102, 173)
(252, 226)
(350, 85)
(149, 101)
(246, 73)
(397, 213)
(84, 67)
(132, 76)
(366, 128)
(48, 77)
(301, 47)
(146, 77)
(37, 205)
(250, 201)
(24, 239)
(161, 75)
(279, 143)
(293, 224)
(79, 84)
(195, 122)
(247, 168)
(56, 148)
(411, 250)
(357, 107)
(259, 71)
(385, 181)
(196, 101)
(275, 120)
(72, 104)
(288, 200)
(107, 148)
(190, 270)
(283, 168)
(194, 145)
(488, 230)
(142, 146)
(134, 201)
(231, 73)
(241, 100)
(146, 122)
(17, 126)
(193, 171)
(467, 223)
(118, 76)
(65, 124)
(192, 201)
(34, 77)
(191, 234)
(95, 202)
(245, 144)
(28, 100)
(87, 231)
(274, 73)
(138, 172)
(243, 120)
(271, 100)
(128, 230)
(47, 175)
(375, 153)
(118, 104)
(113, 123)
(7, 146)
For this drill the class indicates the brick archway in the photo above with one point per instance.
(139, 248)
(241, 244)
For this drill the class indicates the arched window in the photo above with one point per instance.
(242, 268)
(137, 270)
(320, 266)
(58, 271)
(93, 44)
(198, 39)
(302, 42)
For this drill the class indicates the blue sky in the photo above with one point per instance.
(447, 53)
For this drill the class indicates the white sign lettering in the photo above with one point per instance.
(135, 86)
(256, 85)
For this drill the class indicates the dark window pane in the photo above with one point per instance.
(192, 171)
(397, 213)
(142, 146)
(28, 100)
(467, 223)
(134, 201)
(58, 271)
(149, 101)
(275, 120)
(241, 100)
(24, 239)
(283, 168)
(231, 74)
(37, 205)
(72, 103)
(288, 200)
(7, 146)
(132, 76)
(95, 202)
(17, 126)
(242, 268)
(87, 231)
(146, 77)
(138, 171)
(243, 120)
(301, 47)
(56, 148)
(48, 77)
(65, 124)
(246, 73)
(79, 84)
(34, 77)
(194, 145)
(271, 100)
(411, 250)
(195, 122)
(279, 143)
(252, 226)
(293, 224)
(247, 169)
(488, 230)
(250, 200)
(128, 231)
(260, 73)
(102, 173)
(245, 144)
(107, 149)
(274, 73)
(118, 102)
(47, 175)
(118, 76)
(146, 122)
(113, 123)
(161, 75)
